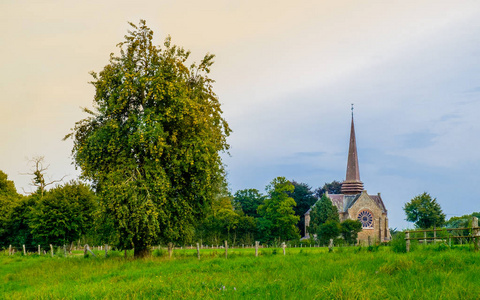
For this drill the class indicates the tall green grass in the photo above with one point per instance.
(430, 272)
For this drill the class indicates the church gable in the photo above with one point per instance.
(367, 207)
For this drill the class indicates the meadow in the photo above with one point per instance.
(429, 272)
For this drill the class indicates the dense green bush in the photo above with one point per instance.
(398, 243)
(159, 252)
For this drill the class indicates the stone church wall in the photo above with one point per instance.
(379, 230)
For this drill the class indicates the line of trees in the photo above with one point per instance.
(72, 211)
(59, 216)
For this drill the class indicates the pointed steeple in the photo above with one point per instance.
(352, 184)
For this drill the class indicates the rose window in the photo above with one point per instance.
(365, 217)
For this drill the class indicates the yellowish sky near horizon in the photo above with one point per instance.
(264, 49)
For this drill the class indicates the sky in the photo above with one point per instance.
(286, 74)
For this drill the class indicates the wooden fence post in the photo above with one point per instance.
(407, 239)
(170, 249)
(106, 250)
(226, 249)
(87, 248)
(10, 250)
(283, 246)
(51, 249)
(434, 234)
(24, 251)
(424, 237)
(198, 251)
(64, 250)
(475, 233)
(256, 248)
(39, 253)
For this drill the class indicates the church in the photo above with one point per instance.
(355, 203)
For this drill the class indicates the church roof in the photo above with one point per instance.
(344, 202)
(379, 201)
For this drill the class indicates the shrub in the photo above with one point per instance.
(398, 243)
(159, 252)
(440, 247)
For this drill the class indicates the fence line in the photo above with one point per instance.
(170, 247)
(474, 235)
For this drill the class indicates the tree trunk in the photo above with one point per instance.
(141, 252)
(170, 250)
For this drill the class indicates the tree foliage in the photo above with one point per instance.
(7, 187)
(328, 230)
(278, 219)
(304, 199)
(462, 221)
(424, 211)
(334, 187)
(18, 224)
(151, 145)
(63, 214)
(349, 230)
(8, 199)
(248, 201)
(225, 221)
(323, 211)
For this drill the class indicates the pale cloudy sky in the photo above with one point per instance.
(286, 73)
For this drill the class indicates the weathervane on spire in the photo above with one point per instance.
(352, 110)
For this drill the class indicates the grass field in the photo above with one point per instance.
(433, 272)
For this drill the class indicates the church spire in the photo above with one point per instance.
(352, 184)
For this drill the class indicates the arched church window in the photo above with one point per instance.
(366, 218)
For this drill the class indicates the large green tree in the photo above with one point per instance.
(304, 198)
(323, 211)
(224, 222)
(464, 221)
(424, 211)
(278, 220)
(248, 201)
(349, 230)
(8, 199)
(334, 187)
(63, 214)
(220, 220)
(7, 187)
(18, 224)
(151, 145)
(329, 230)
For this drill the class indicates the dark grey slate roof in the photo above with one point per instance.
(344, 202)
